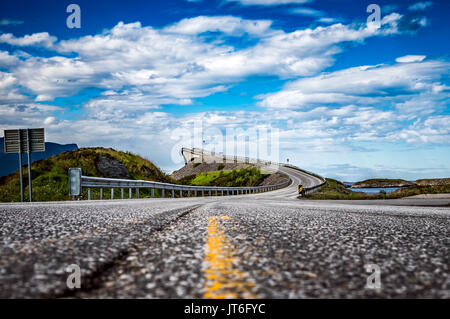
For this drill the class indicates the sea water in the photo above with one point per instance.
(375, 190)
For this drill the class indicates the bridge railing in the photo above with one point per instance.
(220, 158)
(77, 182)
(262, 163)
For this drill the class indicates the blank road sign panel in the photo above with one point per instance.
(12, 141)
(37, 140)
(14, 138)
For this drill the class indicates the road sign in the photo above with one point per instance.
(25, 141)
(74, 182)
(16, 140)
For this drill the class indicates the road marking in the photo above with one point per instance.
(223, 280)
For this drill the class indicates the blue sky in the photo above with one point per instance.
(345, 100)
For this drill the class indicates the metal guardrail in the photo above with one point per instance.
(310, 190)
(77, 182)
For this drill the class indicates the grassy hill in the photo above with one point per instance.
(242, 177)
(432, 181)
(381, 182)
(10, 161)
(50, 180)
(334, 189)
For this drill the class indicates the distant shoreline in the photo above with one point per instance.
(398, 183)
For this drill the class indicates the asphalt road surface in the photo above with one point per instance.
(269, 245)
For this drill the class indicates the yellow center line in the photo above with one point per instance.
(223, 280)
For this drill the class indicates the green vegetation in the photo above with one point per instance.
(220, 167)
(381, 182)
(433, 181)
(334, 189)
(50, 180)
(418, 190)
(242, 177)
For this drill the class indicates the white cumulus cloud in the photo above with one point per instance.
(410, 58)
(36, 39)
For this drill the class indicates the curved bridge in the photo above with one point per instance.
(296, 177)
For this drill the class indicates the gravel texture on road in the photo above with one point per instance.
(268, 245)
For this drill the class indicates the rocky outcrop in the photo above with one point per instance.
(112, 168)
(274, 179)
(150, 172)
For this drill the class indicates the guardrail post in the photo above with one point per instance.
(222, 192)
(173, 192)
(89, 194)
(189, 193)
(122, 192)
(209, 192)
(181, 193)
(163, 193)
(137, 193)
(195, 193)
(101, 193)
(203, 193)
(153, 192)
(130, 193)
(112, 193)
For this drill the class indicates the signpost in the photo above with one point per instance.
(25, 141)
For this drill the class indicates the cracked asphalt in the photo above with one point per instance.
(253, 246)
